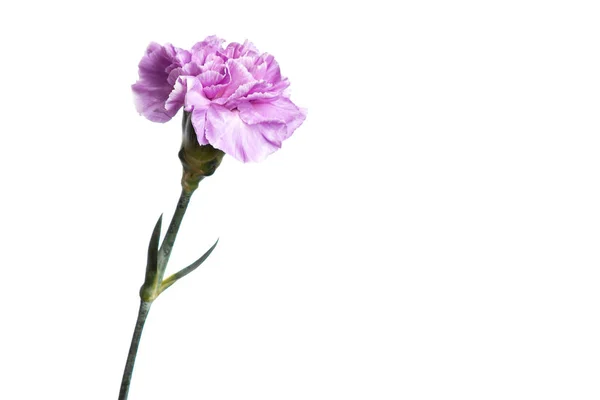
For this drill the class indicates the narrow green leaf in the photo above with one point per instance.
(178, 275)
(150, 283)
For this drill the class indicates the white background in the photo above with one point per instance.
(431, 232)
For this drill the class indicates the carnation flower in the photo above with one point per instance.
(235, 96)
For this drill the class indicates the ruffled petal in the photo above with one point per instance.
(259, 90)
(280, 110)
(191, 69)
(212, 42)
(199, 124)
(236, 50)
(214, 62)
(182, 56)
(177, 96)
(239, 78)
(226, 131)
(273, 73)
(194, 97)
(152, 89)
(188, 92)
(201, 50)
(150, 102)
(210, 78)
(267, 68)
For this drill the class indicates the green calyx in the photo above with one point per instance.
(199, 161)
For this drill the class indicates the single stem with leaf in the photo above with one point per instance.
(154, 283)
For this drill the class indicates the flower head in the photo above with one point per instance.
(235, 96)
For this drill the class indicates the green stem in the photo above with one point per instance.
(135, 342)
(163, 258)
(167, 245)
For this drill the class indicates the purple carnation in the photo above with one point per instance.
(236, 95)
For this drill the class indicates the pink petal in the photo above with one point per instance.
(209, 78)
(199, 124)
(153, 88)
(177, 96)
(202, 50)
(226, 131)
(239, 77)
(236, 50)
(272, 72)
(280, 110)
(194, 97)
